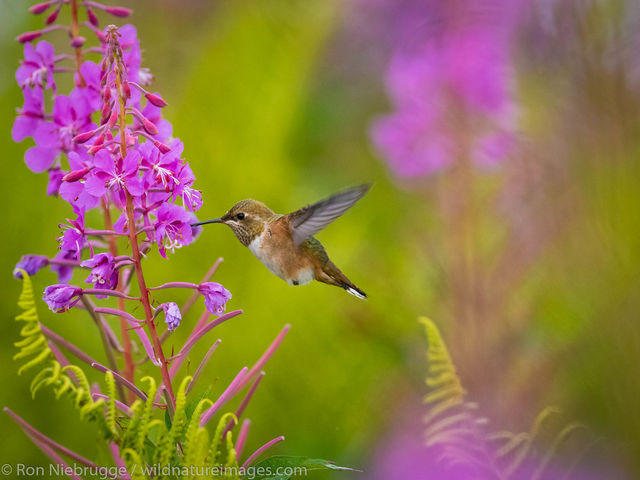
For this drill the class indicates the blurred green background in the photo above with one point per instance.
(274, 101)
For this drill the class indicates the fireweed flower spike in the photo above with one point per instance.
(129, 166)
(442, 73)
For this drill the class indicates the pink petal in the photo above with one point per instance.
(38, 159)
(95, 186)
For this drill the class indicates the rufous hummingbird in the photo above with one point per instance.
(285, 244)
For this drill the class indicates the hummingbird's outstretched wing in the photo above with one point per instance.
(309, 220)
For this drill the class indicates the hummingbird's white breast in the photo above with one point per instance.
(272, 257)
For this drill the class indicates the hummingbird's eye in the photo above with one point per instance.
(240, 216)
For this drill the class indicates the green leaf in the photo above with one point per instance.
(267, 469)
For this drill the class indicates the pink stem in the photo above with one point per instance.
(194, 296)
(222, 399)
(136, 325)
(203, 363)
(64, 343)
(244, 403)
(55, 458)
(194, 337)
(43, 438)
(121, 380)
(262, 449)
(121, 406)
(242, 437)
(62, 360)
(115, 453)
(174, 285)
(108, 293)
(265, 356)
(99, 233)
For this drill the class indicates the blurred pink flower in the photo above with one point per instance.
(452, 90)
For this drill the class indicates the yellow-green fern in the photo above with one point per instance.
(35, 345)
(453, 424)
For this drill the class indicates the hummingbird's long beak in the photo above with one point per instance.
(215, 220)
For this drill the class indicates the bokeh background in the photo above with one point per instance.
(503, 145)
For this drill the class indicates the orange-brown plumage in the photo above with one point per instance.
(285, 243)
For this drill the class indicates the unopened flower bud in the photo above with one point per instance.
(162, 147)
(53, 16)
(113, 118)
(93, 19)
(28, 36)
(84, 137)
(99, 139)
(77, 42)
(149, 126)
(118, 11)
(95, 148)
(40, 8)
(155, 100)
(126, 89)
(106, 112)
(75, 175)
(130, 139)
(106, 94)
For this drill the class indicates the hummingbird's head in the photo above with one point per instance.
(246, 218)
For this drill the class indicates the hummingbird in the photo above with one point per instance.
(286, 245)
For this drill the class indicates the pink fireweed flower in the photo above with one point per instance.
(172, 315)
(215, 297)
(173, 228)
(55, 181)
(91, 75)
(37, 66)
(451, 77)
(61, 297)
(64, 272)
(103, 272)
(72, 189)
(73, 238)
(30, 264)
(161, 167)
(115, 176)
(30, 116)
(71, 116)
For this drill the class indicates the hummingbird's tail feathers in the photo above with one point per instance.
(356, 292)
(332, 275)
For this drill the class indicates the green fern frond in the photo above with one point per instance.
(130, 435)
(442, 378)
(34, 345)
(453, 423)
(134, 464)
(46, 376)
(110, 416)
(141, 437)
(231, 450)
(167, 450)
(217, 437)
(194, 423)
(147, 412)
(195, 435)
